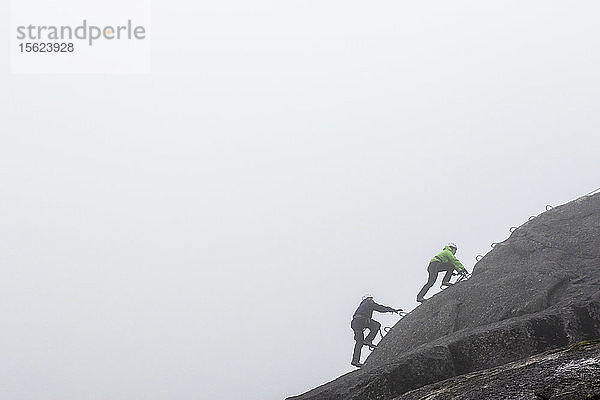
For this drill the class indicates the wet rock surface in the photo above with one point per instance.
(538, 290)
(571, 373)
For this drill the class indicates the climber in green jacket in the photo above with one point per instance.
(443, 262)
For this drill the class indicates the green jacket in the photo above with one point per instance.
(446, 257)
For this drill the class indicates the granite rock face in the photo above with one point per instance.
(538, 290)
(571, 373)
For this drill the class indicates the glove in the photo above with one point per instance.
(464, 272)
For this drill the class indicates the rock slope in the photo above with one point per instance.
(571, 373)
(538, 290)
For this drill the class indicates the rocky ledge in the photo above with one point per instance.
(569, 373)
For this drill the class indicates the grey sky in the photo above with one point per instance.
(206, 231)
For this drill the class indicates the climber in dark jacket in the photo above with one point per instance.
(443, 262)
(361, 320)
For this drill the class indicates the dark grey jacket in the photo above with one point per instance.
(367, 306)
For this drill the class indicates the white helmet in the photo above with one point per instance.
(367, 296)
(452, 245)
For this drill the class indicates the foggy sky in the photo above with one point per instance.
(207, 230)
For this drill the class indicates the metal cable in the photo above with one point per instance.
(514, 228)
(592, 192)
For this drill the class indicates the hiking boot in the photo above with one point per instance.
(421, 300)
(447, 284)
(370, 344)
(356, 364)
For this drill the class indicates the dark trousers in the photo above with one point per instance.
(359, 325)
(434, 269)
